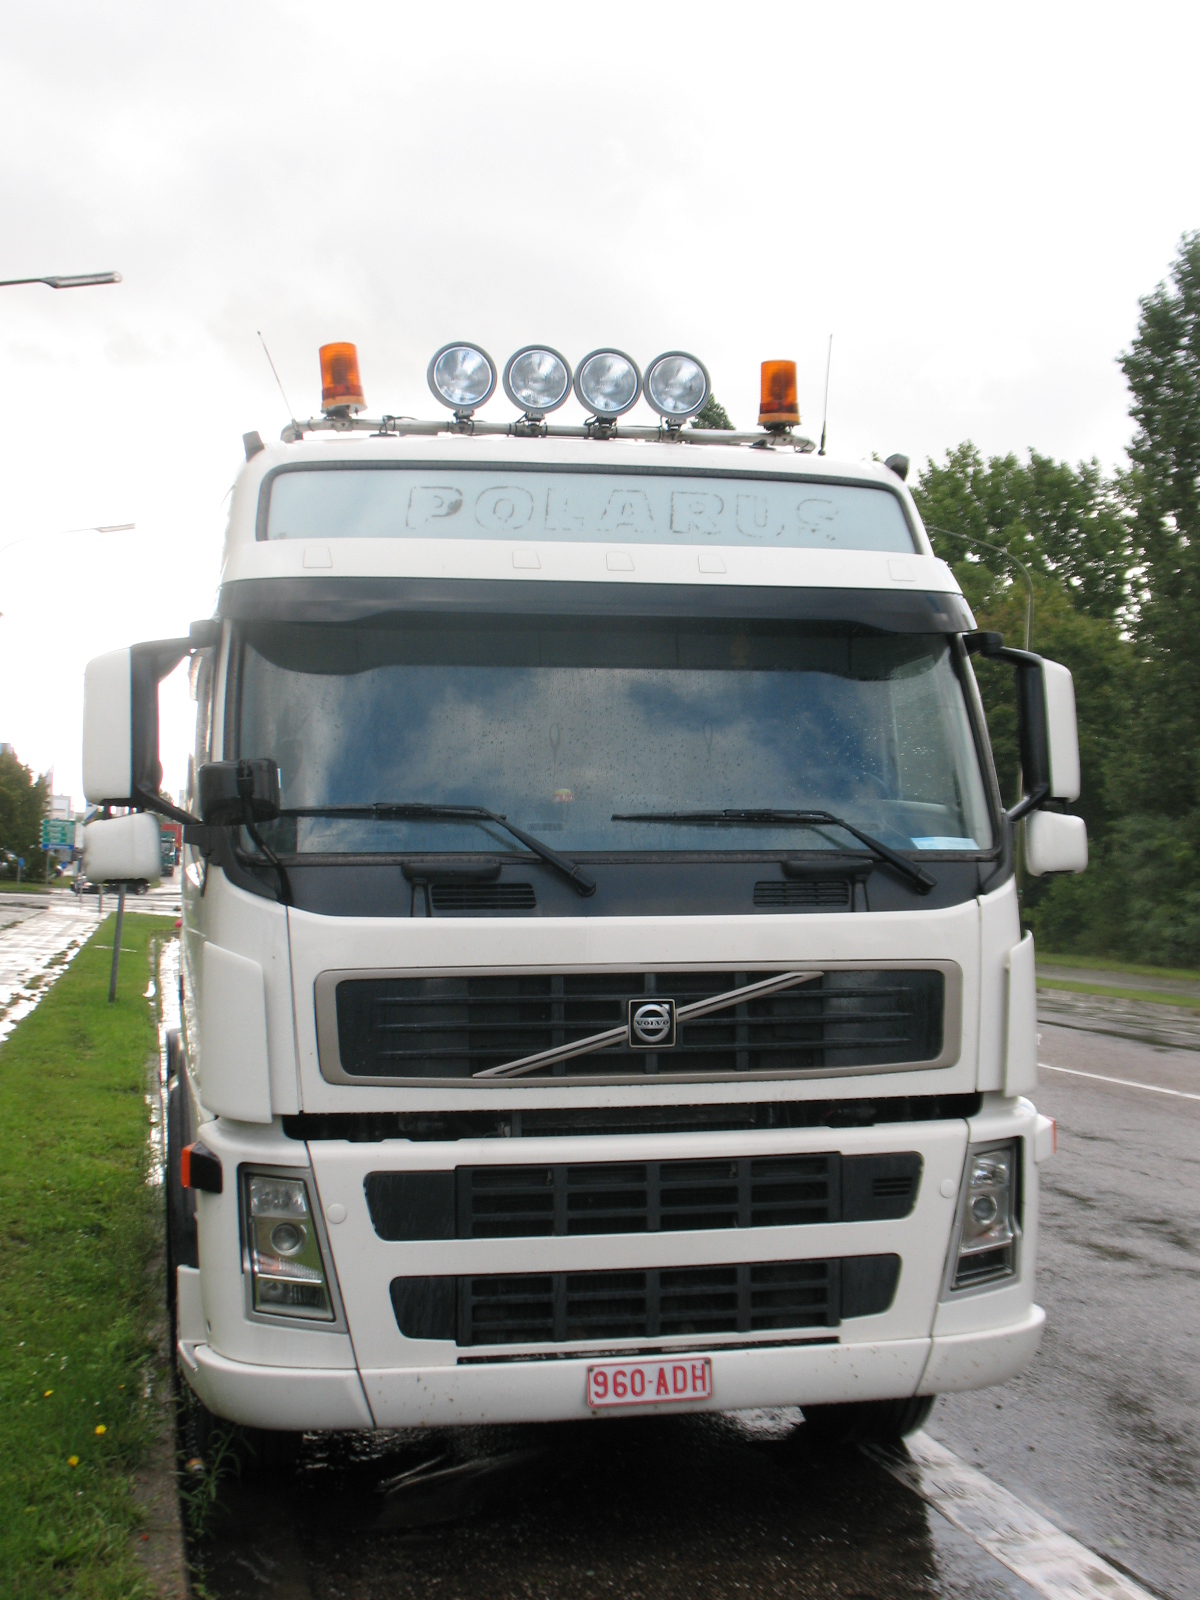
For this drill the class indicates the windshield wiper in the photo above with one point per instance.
(803, 819)
(424, 811)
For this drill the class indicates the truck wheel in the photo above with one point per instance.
(865, 1421)
(181, 1243)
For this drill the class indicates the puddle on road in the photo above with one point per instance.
(668, 1507)
(34, 954)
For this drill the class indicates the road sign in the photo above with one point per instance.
(57, 833)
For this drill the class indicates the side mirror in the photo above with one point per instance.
(123, 849)
(121, 766)
(1055, 842)
(1047, 731)
(237, 792)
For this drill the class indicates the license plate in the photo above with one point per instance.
(649, 1383)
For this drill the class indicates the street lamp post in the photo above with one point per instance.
(61, 533)
(80, 280)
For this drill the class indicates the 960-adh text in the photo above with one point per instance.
(649, 1383)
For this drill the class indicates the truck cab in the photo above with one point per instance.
(602, 978)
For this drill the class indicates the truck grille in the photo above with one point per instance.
(454, 1027)
(511, 1202)
(662, 1302)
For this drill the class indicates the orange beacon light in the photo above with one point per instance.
(341, 386)
(778, 407)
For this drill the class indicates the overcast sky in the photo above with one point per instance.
(971, 199)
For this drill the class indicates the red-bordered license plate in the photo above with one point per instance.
(649, 1383)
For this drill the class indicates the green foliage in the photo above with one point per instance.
(713, 414)
(1065, 524)
(1163, 493)
(24, 801)
(77, 1236)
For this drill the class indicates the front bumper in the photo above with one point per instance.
(555, 1391)
(362, 1371)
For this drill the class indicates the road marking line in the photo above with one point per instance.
(1040, 1554)
(1126, 1083)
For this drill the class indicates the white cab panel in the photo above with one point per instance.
(999, 930)
(235, 1079)
(417, 945)
(1020, 1037)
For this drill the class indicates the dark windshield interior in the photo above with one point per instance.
(559, 724)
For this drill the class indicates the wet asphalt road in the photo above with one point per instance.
(1100, 1435)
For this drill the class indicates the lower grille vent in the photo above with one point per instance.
(511, 1202)
(663, 1302)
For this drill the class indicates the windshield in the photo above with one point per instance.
(559, 724)
(489, 502)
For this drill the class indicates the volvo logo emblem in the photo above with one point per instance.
(651, 1024)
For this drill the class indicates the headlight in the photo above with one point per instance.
(608, 383)
(986, 1243)
(537, 379)
(676, 385)
(287, 1273)
(462, 376)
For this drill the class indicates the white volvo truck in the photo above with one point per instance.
(602, 979)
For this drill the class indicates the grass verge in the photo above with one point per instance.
(1102, 964)
(79, 1301)
(1153, 997)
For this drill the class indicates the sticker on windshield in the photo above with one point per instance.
(941, 841)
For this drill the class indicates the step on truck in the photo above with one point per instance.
(602, 981)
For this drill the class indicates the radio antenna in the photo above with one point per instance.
(825, 412)
(292, 414)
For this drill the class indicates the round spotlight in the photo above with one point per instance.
(677, 385)
(462, 376)
(537, 379)
(608, 383)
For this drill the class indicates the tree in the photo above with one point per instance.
(1066, 523)
(1163, 491)
(712, 414)
(24, 801)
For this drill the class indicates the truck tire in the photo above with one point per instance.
(182, 1244)
(864, 1421)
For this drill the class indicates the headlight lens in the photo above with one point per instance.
(987, 1236)
(462, 376)
(286, 1270)
(608, 383)
(676, 385)
(537, 379)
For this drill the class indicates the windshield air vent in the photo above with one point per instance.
(451, 898)
(796, 894)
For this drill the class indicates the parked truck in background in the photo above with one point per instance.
(602, 979)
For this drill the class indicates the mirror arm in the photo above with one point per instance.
(164, 808)
(1029, 802)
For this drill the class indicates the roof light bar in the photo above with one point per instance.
(676, 385)
(462, 377)
(538, 380)
(608, 383)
